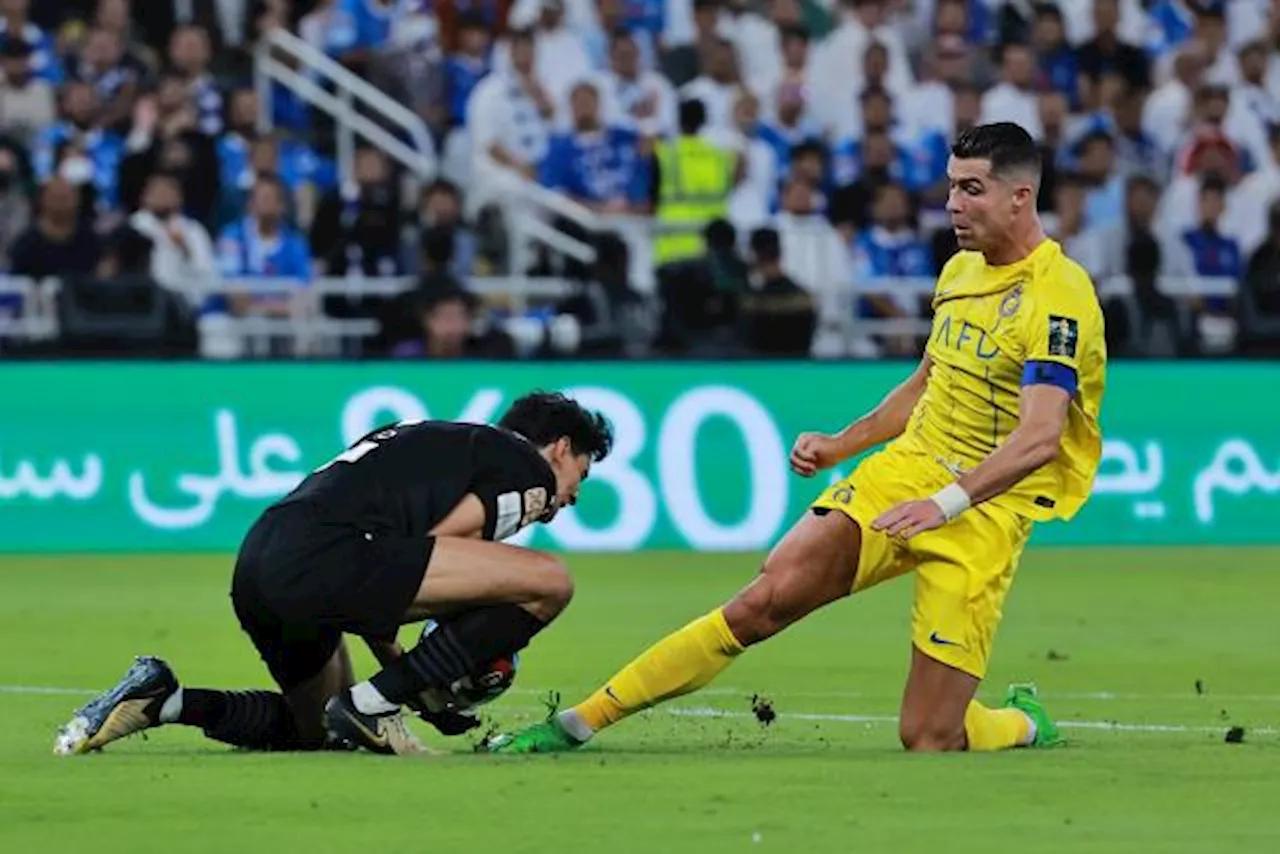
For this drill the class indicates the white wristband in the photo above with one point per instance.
(952, 499)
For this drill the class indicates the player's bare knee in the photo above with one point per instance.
(761, 610)
(553, 588)
(930, 736)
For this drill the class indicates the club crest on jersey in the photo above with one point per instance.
(1011, 303)
(535, 505)
(1064, 332)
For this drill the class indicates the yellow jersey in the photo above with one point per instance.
(994, 328)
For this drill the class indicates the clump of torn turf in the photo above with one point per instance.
(762, 708)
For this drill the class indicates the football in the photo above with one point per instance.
(474, 690)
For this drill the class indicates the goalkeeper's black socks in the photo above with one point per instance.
(456, 648)
(256, 720)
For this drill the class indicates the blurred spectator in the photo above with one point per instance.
(466, 65)
(1252, 92)
(114, 16)
(165, 136)
(182, 253)
(560, 57)
(27, 103)
(613, 318)
(440, 207)
(1013, 99)
(754, 196)
(1067, 224)
(788, 127)
(314, 26)
(1257, 192)
(15, 23)
(59, 242)
(683, 62)
(778, 45)
(1216, 125)
(120, 310)
(1211, 31)
(1137, 152)
(356, 230)
(510, 114)
(947, 66)
(1104, 187)
(1179, 204)
(15, 206)
(817, 258)
(878, 162)
(1132, 247)
(359, 28)
(967, 110)
(1168, 109)
(492, 14)
(189, 56)
(1108, 52)
(1213, 254)
(263, 245)
(838, 66)
(877, 120)
(635, 98)
(1260, 294)
(717, 87)
(79, 149)
(1058, 65)
(225, 22)
(776, 315)
(699, 296)
(103, 64)
(435, 260)
(753, 36)
(303, 173)
(1053, 121)
(448, 322)
(598, 166)
(893, 249)
(694, 178)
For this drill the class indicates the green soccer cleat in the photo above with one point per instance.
(1024, 699)
(546, 737)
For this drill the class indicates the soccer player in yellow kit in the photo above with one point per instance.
(995, 430)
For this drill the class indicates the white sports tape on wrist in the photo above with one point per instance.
(952, 499)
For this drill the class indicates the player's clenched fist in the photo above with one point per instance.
(814, 452)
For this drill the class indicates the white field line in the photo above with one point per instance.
(868, 720)
(1189, 696)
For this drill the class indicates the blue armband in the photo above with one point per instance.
(1051, 373)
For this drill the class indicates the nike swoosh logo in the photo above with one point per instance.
(608, 690)
(380, 739)
(933, 638)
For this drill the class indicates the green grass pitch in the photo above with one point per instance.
(1149, 656)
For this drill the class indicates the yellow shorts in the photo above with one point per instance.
(963, 569)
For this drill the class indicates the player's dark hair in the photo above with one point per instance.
(1007, 145)
(543, 417)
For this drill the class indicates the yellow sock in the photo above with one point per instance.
(995, 729)
(680, 663)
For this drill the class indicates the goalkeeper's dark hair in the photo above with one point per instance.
(1007, 145)
(543, 417)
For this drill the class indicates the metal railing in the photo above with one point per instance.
(349, 96)
(33, 314)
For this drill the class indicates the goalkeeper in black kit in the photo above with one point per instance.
(401, 526)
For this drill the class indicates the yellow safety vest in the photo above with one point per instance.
(696, 179)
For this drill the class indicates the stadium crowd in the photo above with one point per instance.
(130, 144)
